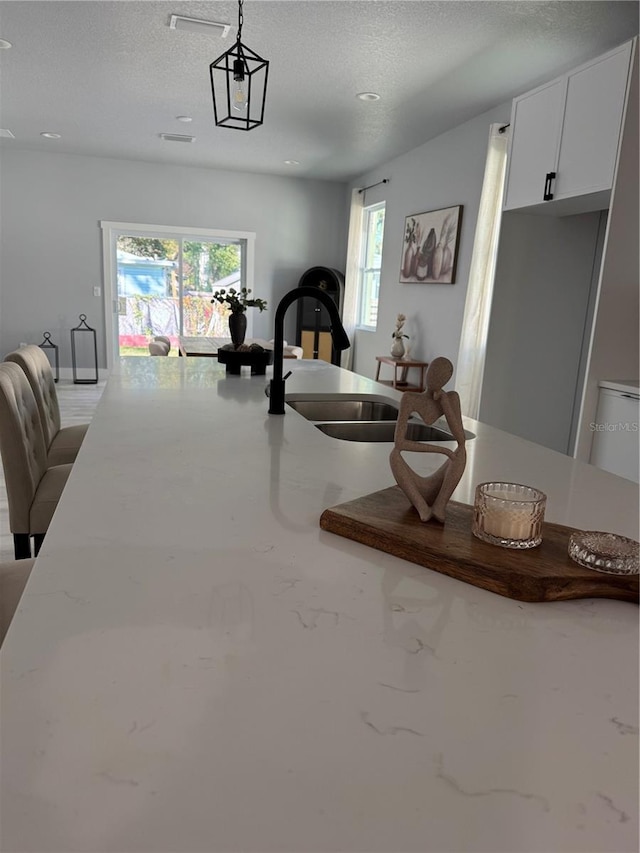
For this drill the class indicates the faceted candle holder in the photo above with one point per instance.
(509, 515)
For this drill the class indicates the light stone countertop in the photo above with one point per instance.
(196, 666)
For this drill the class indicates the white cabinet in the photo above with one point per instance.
(591, 126)
(536, 120)
(564, 135)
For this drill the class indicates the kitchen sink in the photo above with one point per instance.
(348, 409)
(383, 431)
(362, 418)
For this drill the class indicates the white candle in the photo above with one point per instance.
(511, 523)
(509, 511)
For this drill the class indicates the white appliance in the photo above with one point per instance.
(616, 439)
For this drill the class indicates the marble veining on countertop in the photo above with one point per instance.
(196, 666)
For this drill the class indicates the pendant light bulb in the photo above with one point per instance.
(239, 97)
(239, 87)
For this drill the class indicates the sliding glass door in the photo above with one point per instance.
(161, 281)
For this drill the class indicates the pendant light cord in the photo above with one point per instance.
(240, 19)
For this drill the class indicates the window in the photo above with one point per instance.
(370, 264)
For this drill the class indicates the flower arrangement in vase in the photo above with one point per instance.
(237, 302)
(397, 348)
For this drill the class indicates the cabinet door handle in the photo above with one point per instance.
(548, 195)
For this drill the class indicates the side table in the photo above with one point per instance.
(401, 367)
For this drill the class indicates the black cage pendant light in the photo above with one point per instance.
(239, 85)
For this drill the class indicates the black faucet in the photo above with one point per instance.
(338, 335)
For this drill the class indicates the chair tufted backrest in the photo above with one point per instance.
(158, 348)
(35, 364)
(24, 454)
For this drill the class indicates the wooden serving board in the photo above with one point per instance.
(386, 521)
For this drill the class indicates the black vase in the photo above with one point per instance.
(237, 327)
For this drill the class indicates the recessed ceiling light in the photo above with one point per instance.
(6, 134)
(4, 44)
(292, 162)
(48, 135)
(368, 96)
(185, 119)
(197, 25)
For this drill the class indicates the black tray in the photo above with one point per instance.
(234, 360)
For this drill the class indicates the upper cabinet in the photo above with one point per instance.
(564, 138)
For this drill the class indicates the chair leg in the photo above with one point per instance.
(21, 546)
(38, 539)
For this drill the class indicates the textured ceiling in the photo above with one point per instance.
(111, 76)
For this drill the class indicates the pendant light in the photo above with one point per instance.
(239, 85)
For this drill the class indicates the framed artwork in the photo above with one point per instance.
(430, 246)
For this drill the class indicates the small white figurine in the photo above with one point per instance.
(397, 348)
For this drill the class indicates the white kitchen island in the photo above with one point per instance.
(196, 666)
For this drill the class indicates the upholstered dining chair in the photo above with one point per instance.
(13, 579)
(63, 443)
(158, 348)
(163, 339)
(33, 489)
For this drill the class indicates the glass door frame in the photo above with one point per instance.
(110, 233)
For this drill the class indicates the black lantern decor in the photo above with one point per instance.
(47, 343)
(83, 339)
(239, 85)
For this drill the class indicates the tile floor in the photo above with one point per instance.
(77, 405)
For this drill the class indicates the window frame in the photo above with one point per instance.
(367, 212)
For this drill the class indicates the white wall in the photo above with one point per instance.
(50, 244)
(51, 206)
(444, 172)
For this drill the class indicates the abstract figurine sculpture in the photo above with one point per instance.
(430, 495)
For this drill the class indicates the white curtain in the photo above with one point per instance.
(351, 278)
(475, 325)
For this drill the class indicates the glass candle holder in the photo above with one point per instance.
(508, 514)
(605, 552)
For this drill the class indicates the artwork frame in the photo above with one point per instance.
(430, 245)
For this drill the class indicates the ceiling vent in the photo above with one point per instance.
(196, 25)
(176, 137)
(6, 134)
